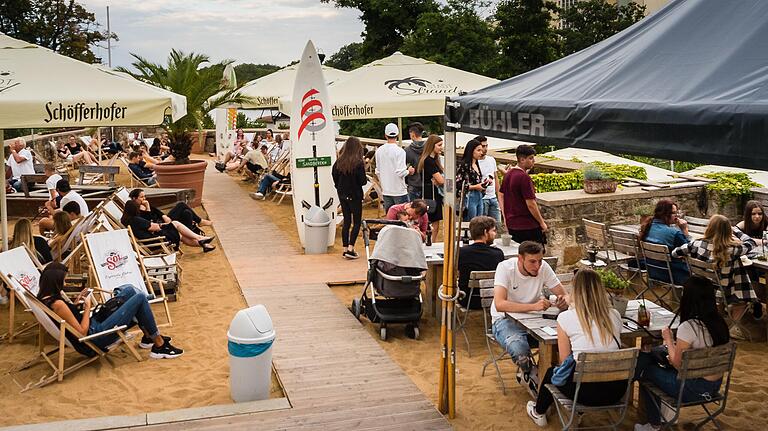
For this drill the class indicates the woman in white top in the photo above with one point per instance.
(701, 326)
(590, 325)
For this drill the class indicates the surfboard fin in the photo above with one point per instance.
(328, 204)
(306, 204)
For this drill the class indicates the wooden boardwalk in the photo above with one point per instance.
(335, 375)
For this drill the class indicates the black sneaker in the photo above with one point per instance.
(147, 343)
(757, 310)
(166, 351)
(350, 254)
(219, 167)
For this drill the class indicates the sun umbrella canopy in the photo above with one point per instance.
(267, 91)
(399, 86)
(40, 88)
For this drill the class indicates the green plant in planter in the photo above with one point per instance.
(203, 87)
(593, 172)
(611, 281)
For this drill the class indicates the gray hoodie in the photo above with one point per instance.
(412, 156)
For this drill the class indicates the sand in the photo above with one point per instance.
(210, 296)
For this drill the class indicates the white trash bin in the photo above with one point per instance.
(250, 338)
(316, 225)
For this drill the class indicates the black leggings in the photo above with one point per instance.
(353, 214)
(590, 394)
(185, 215)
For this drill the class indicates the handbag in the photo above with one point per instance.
(103, 311)
(563, 372)
(432, 206)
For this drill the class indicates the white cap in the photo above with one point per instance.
(391, 130)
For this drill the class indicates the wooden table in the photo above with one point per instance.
(535, 324)
(435, 257)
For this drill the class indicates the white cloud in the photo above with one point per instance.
(247, 31)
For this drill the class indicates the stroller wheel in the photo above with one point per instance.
(415, 332)
(412, 331)
(383, 333)
(356, 308)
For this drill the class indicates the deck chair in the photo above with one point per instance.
(710, 272)
(57, 328)
(592, 368)
(135, 181)
(698, 363)
(111, 216)
(282, 190)
(628, 243)
(660, 253)
(116, 260)
(21, 264)
(597, 234)
(121, 196)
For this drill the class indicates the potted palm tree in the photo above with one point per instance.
(204, 89)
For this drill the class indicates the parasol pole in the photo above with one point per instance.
(3, 198)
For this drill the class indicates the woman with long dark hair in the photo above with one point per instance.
(754, 222)
(701, 325)
(134, 309)
(349, 178)
(173, 232)
(666, 228)
(431, 171)
(469, 176)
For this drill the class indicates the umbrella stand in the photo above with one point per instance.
(3, 201)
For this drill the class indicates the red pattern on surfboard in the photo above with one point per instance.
(311, 110)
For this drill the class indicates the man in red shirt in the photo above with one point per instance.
(521, 212)
(416, 214)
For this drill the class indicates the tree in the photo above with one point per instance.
(348, 57)
(202, 86)
(589, 21)
(63, 26)
(454, 36)
(525, 36)
(387, 22)
(248, 71)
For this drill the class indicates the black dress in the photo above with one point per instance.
(140, 227)
(431, 191)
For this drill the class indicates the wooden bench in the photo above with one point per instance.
(107, 172)
(28, 179)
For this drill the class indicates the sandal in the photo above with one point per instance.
(207, 240)
(209, 248)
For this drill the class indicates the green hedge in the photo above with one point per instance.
(558, 182)
(730, 183)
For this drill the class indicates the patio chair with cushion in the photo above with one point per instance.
(592, 368)
(698, 363)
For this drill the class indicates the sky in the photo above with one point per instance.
(247, 31)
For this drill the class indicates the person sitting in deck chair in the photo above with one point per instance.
(173, 232)
(181, 212)
(134, 309)
(253, 160)
(140, 169)
(67, 196)
(72, 210)
(518, 288)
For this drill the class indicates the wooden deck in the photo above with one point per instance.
(335, 375)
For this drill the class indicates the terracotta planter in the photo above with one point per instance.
(188, 176)
(600, 186)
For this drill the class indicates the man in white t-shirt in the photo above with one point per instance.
(20, 161)
(488, 168)
(519, 287)
(392, 169)
(46, 223)
(69, 195)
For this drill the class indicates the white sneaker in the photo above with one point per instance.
(540, 420)
(645, 427)
(736, 333)
(257, 195)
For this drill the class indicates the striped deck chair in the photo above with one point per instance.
(116, 260)
(24, 267)
(57, 328)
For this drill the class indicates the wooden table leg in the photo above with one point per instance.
(546, 355)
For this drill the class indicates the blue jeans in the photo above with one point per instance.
(474, 204)
(666, 379)
(393, 200)
(135, 309)
(414, 193)
(491, 209)
(266, 183)
(151, 181)
(15, 183)
(513, 337)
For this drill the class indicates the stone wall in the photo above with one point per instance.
(564, 211)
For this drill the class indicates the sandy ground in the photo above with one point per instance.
(210, 296)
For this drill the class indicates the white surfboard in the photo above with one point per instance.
(313, 148)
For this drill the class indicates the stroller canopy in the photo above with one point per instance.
(400, 246)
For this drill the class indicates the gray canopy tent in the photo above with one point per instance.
(689, 82)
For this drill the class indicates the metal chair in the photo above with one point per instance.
(477, 280)
(597, 234)
(710, 272)
(628, 243)
(698, 363)
(657, 257)
(486, 299)
(696, 225)
(593, 368)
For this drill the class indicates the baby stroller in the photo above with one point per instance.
(392, 291)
